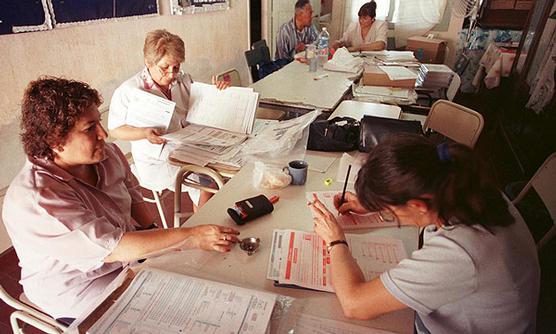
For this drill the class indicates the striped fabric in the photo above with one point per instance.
(288, 37)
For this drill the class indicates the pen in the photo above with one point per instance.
(345, 185)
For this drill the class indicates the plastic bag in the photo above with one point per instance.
(270, 177)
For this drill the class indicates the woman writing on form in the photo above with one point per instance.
(367, 34)
(477, 271)
(163, 52)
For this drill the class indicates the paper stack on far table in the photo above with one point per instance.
(343, 61)
(434, 76)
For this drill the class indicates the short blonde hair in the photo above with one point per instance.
(160, 43)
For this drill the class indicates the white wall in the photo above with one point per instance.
(104, 54)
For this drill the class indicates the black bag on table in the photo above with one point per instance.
(376, 129)
(340, 134)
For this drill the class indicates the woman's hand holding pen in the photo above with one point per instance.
(351, 204)
(325, 223)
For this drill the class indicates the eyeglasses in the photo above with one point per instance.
(169, 70)
(387, 216)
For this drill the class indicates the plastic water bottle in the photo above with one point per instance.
(322, 46)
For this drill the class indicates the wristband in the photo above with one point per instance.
(334, 243)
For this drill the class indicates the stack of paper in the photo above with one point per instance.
(398, 72)
(382, 94)
(300, 258)
(164, 302)
(343, 61)
(434, 76)
(391, 56)
(232, 109)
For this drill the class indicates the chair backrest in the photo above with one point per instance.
(455, 121)
(453, 88)
(29, 315)
(259, 44)
(544, 183)
(231, 76)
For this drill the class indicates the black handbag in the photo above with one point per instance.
(376, 129)
(340, 134)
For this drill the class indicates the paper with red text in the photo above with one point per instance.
(299, 258)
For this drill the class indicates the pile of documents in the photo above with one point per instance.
(299, 258)
(391, 56)
(382, 94)
(434, 76)
(343, 61)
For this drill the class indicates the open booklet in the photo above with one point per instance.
(299, 258)
(163, 302)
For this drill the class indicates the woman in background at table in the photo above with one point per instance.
(74, 211)
(477, 271)
(368, 34)
(164, 52)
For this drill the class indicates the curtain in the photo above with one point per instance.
(413, 17)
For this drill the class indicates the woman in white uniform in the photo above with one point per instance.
(164, 52)
(477, 271)
(368, 34)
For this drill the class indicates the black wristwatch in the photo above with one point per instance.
(334, 243)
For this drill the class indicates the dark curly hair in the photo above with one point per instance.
(368, 9)
(50, 109)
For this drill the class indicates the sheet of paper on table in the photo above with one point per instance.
(231, 109)
(356, 160)
(299, 258)
(398, 72)
(349, 221)
(310, 324)
(164, 302)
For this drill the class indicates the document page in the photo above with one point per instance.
(163, 302)
(349, 221)
(199, 134)
(231, 109)
(300, 258)
(149, 110)
(398, 72)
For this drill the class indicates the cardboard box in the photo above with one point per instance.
(374, 76)
(431, 50)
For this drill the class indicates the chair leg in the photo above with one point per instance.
(32, 321)
(159, 207)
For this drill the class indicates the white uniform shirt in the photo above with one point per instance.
(377, 32)
(154, 172)
(468, 280)
(62, 229)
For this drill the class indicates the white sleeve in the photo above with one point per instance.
(347, 38)
(118, 108)
(439, 273)
(381, 32)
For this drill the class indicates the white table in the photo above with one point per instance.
(294, 86)
(290, 212)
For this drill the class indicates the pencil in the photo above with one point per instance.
(345, 186)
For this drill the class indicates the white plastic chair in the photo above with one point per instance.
(544, 183)
(29, 315)
(156, 199)
(455, 121)
(231, 76)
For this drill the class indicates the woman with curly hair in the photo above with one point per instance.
(477, 271)
(74, 212)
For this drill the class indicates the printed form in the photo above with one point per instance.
(299, 258)
(310, 324)
(232, 109)
(163, 302)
